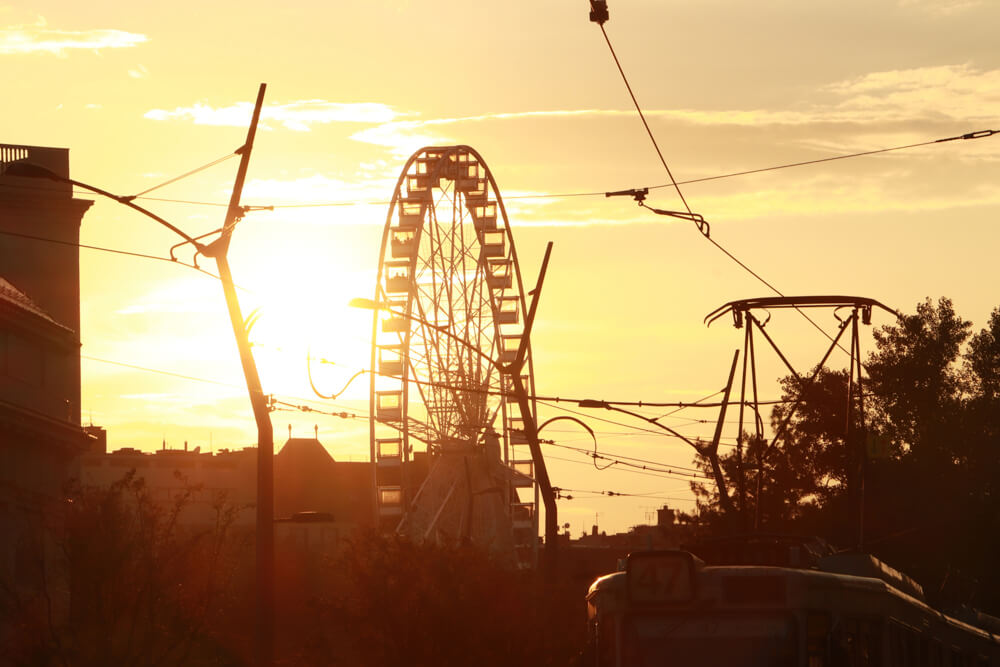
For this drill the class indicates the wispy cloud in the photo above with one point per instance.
(297, 116)
(942, 7)
(39, 38)
(956, 92)
(947, 92)
(405, 136)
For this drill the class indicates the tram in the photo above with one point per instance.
(668, 608)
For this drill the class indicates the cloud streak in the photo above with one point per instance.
(38, 38)
(959, 93)
(942, 7)
(298, 116)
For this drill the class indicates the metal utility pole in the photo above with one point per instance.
(861, 309)
(218, 250)
(550, 556)
(713, 450)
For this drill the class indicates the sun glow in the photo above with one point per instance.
(298, 332)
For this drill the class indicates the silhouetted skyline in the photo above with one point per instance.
(140, 96)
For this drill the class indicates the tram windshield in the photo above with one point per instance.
(703, 640)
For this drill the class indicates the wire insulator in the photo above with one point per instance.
(599, 11)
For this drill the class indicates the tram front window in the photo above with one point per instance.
(701, 640)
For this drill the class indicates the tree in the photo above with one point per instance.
(142, 589)
(982, 360)
(389, 601)
(808, 466)
(917, 381)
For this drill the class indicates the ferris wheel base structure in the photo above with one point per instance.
(450, 310)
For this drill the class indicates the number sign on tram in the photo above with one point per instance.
(657, 577)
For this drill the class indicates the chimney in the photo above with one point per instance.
(664, 516)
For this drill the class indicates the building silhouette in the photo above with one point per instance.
(40, 430)
(311, 489)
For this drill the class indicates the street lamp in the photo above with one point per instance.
(218, 250)
(513, 370)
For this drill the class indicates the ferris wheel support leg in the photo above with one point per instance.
(550, 556)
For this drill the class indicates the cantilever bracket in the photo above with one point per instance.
(741, 306)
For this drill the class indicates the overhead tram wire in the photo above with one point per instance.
(599, 15)
(611, 421)
(658, 469)
(662, 469)
(160, 371)
(614, 469)
(115, 251)
(602, 193)
(679, 405)
(613, 455)
(546, 400)
(700, 224)
(615, 494)
(647, 465)
(635, 430)
(187, 174)
(303, 407)
(566, 195)
(351, 413)
(307, 408)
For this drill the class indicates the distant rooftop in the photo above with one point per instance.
(11, 294)
(308, 450)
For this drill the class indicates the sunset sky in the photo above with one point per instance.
(143, 92)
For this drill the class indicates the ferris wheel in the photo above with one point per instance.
(450, 311)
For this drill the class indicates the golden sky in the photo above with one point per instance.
(143, 92)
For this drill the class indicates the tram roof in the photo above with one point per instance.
(846, 571)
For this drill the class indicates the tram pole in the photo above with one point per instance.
(550, 556)
(219, 250)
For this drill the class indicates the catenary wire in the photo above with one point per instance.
(630, 471)
(651, 494)
(701, 225)
(185, 175)
(545, 400)
(615, 455)
(603, 419)
(115, 251)
(627, 460)
(595, 193)
(160, 371)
